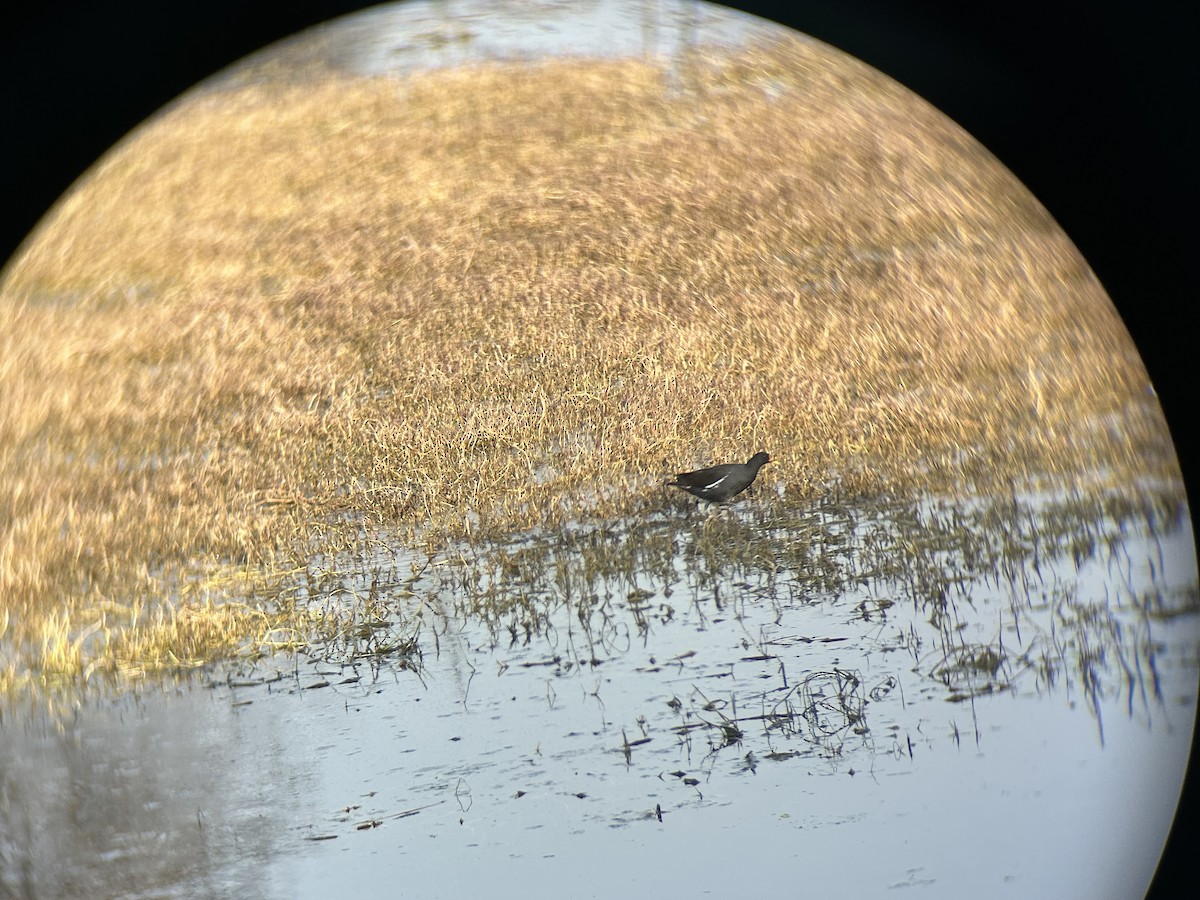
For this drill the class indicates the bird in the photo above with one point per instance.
(720, 484)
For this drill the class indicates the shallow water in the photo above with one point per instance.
(687, 731)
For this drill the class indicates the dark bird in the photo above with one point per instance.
(719, 484)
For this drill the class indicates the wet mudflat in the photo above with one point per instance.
(993, 697)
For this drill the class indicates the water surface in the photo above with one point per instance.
(721, 724)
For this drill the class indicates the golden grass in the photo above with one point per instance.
(509, 296)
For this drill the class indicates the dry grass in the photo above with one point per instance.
(511, 296)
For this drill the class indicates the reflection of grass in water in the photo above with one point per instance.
(510, 297)
(956, 566)
(1031, 552)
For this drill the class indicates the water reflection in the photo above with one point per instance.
(798, 685)
(137, 797)
(1059, 593)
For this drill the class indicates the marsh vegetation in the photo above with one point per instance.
(480, 313)
(976, 598)
(335, 416)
